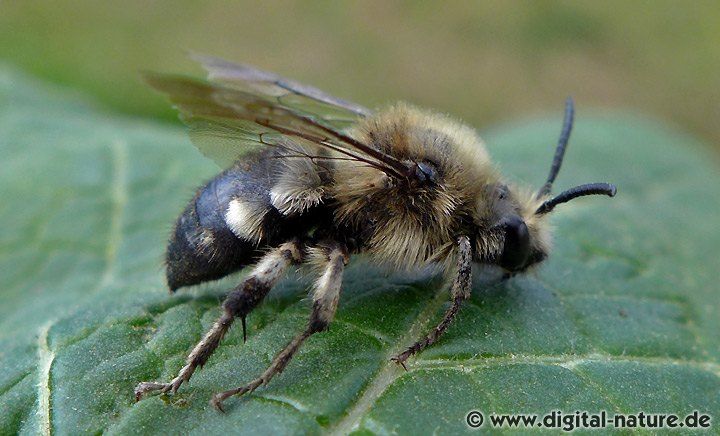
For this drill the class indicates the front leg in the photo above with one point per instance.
(459, 292)
(238, 303)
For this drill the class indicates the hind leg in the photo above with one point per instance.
(241, 301)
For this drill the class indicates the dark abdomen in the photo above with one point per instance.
(202, 247)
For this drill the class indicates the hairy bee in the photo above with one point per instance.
(313, 179)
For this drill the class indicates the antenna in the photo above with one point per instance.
(575, 192)
(560, 149)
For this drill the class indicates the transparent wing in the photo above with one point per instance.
(303, 98)
(231, 117)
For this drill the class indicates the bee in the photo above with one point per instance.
(313, 179)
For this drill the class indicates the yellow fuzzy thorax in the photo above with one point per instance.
(408, 224)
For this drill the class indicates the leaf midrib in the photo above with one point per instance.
(389, 370)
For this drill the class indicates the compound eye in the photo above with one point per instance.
(426, 172)
(517, 243)
(502, 192)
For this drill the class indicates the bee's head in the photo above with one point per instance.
(520, 223)
(519, 220)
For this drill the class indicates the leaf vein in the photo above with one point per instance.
(46, 356)
(380, 337)
(389, 371)
(119, 196)
(567, 361)
(14, 382)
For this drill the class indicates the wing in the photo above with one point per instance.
(242, 110)
(292, 94)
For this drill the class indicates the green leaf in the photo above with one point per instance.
(623, 317)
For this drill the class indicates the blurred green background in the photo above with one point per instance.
(484, 62)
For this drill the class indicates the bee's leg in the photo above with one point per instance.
(325, 299)
(459, 292)
(241, 301)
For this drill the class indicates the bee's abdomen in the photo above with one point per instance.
(232, 219)
(202, 247)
